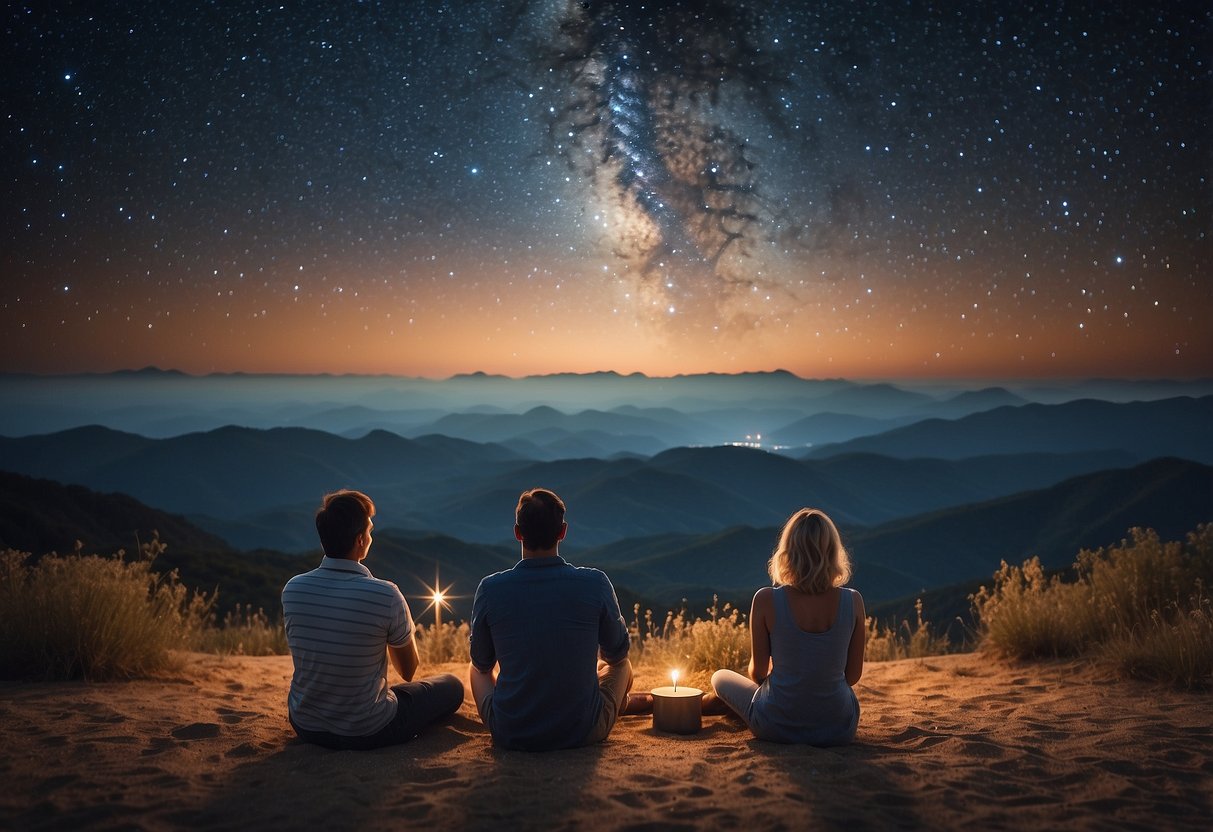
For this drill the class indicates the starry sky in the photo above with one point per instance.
(861, 189)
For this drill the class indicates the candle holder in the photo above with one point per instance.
(677, 710)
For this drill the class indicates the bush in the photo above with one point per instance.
(722, 639)
(93, 617)
(1142, 605)
(699, 645)
(245, 632)
(916, 641)
(445, 642)
(1175, 648)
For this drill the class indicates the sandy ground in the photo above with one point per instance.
(950, 742)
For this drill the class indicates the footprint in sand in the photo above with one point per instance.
(655, 796)
(158, 745)
(52, 784)
(245, 749)
(233, 717)
(429, 775)
(117, 739)
(104, 719)
(196, 731)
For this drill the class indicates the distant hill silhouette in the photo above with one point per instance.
(236, 471)
(975, 401)
(168, 403)
(906, 558)
(1181, 427)
(940, 552)
(1171, 496)
(831, 428)
(257, 489)
(41, 516)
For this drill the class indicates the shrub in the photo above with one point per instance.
(245, 632)
(908, 641)
(1176, 647)
(445, 642)
(1141, 605)
(93, 617)
(699, 645)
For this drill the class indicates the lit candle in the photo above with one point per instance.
(677, 710)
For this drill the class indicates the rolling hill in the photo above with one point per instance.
(939, 549)
(258, 488)
(1181, 427)
(897, 560)
(235, 471)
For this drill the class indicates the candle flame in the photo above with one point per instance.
(674, 676)
(437, 597)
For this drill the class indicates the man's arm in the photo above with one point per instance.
(482, 652)
(405, 659)
(482, 683)
(613, 637)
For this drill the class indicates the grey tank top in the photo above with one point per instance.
(806, 698)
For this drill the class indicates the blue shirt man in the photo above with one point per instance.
(557, 636)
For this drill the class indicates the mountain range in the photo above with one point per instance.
(892, 561)
(258, 488)
(676, 486)
(1181, 426)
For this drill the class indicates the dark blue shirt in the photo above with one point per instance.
(544, 622)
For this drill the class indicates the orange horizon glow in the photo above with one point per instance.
(503, 325)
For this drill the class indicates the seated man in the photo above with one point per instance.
(545, 623)
(342, 624)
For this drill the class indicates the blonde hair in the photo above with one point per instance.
(810, 556)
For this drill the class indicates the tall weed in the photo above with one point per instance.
(722, 639)
(244, 632)
(692, 645)
(93, 617)
(1142, 605)
(907, 641)
(445, 642)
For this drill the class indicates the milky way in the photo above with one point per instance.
(867, 189)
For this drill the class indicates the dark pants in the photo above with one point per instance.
(418, 704)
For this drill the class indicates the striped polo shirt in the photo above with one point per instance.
(339, 621)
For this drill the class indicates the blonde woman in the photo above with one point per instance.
(807, 635)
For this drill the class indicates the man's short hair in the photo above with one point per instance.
(540, 519)
(341, 518)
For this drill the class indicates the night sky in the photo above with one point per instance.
(885, 189)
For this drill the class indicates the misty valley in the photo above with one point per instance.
(676, 487)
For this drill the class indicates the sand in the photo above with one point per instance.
(949, 742)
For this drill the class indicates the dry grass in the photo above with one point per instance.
(906, 641)
(85, 616)
(446, 642)
(1142, 606)
(244, 632)
(699, 646)
(93, 617)
(696, 647)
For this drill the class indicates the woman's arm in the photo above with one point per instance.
(762, 614)
(858, 635)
